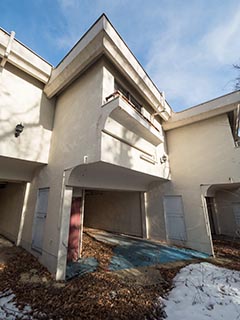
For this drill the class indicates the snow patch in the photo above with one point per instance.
(204, 291)
(9, 310)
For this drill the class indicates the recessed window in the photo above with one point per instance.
(128, 95)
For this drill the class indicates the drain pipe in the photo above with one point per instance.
(163, 109)
(8, 49)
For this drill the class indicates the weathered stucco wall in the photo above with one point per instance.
(114, 211)
(75, 125)
(201, 153)
(23, 101)
(11, 201)
(74, 136)
(121, 143)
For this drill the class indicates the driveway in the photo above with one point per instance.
(130, 253)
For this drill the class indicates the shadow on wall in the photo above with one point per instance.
(23, 101)
(121, 152)
(34, 138)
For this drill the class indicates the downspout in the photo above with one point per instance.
(163, 107)
(237, 127)
(8, 50)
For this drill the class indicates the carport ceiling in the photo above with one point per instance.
(101, 175)
(222, 186)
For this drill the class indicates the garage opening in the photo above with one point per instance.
(112, 234)
(114, 211)
(11, 203)
(212, 215)
(223, 207)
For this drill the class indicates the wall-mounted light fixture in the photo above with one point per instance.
(18, 129)
(163, 159)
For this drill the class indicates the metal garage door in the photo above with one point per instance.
(174, 218)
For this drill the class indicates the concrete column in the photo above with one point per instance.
(64, 232)
(23, 214)
(143, 215)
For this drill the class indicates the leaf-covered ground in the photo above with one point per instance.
(98, 295)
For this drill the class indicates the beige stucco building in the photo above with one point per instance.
(94, 142)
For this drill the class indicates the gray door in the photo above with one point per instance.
(39, 219)
(236, 211)
(174, 218)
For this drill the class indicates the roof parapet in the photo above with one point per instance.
(204, 111)
(103, 39)
(14, 52)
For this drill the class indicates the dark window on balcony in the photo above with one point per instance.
(128, 95)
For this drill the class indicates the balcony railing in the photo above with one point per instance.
(117, 93)
(124, 112)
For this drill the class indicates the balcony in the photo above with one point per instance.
(130, 140)
(124, 112)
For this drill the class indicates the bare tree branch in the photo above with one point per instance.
(237, 80)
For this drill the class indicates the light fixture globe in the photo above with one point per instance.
(18, 129)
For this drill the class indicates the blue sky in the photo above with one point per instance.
(186, 46)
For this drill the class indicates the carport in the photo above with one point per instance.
(102, 196)
(15, 175)
(223, 208)
(11, 204)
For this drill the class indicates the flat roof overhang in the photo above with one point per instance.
(222, 186)
(203, 111)
(105, 176)
(23, 58)
(12, 169)
(102, 39)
